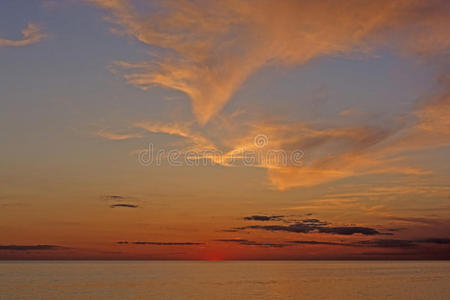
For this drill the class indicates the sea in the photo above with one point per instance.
(225, 280)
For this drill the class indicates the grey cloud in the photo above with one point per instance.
(113, 197)
(252, 243)
(348, 230)
(29, 247)
(263, 218)
(380, 243)
(442, 241)
(161, 243)
(319, 243)
(315, 222)
(124, 205)
(298, 228)
(385, 243)
(316, 227)
(416, 220)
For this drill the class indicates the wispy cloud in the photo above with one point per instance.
(419, 220)
(312, 226)
(263, 218)
(29, 247)
(307, 228)
(327, 153)
(384, 243)
(379, 243)
(194, 139)
(320, 243)
(116, 136)
(210, 58)
(253, 243)
(32, 34)
(441, 241)
(114, 197)
(124, 205)
(120, 201)
(161, 243)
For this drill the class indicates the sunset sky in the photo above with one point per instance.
(214, 130)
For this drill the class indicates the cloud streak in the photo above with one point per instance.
(309, 226)
(328, 154)
(116, 136)
(32, 34)
(380, 243)
(160, 243)
(124, 205)
(114, 197)
(252, 243)
(29, 247)
(263, 218)
(208, 59)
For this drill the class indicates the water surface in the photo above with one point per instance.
(225, 280)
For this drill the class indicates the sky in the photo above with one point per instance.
(219, 130)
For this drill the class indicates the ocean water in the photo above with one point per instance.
(225, 280)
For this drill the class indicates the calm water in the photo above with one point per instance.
(225, 280)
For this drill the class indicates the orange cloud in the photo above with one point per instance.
(212, 47)
(325, 154)
(32, 34)
(115, 136)
(369, 151)
(432, 128)
(197, 141)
